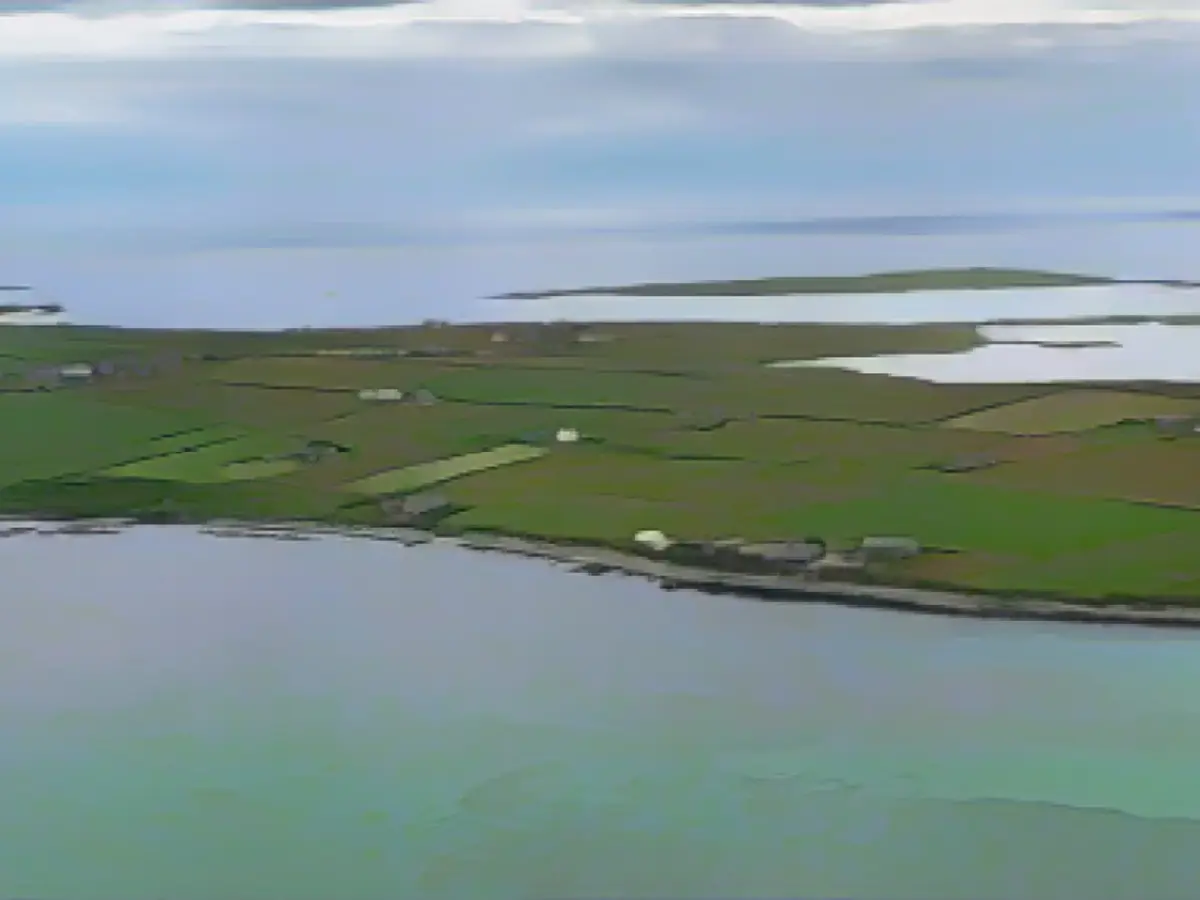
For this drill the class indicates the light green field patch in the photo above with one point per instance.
(197, 437)
(208, 464)
(1073, 410)
(66, 432)
(258, 468)
(418, 476)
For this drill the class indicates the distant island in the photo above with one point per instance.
(876, 283)
(672, 450)
(11, 308)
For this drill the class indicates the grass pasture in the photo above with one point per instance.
(797, 440)
(1085, 497)
(68, 432)
(841, 394)
(250, 406)
(1073, 411)
(207, 464)
(1153, 471)
(412, 478)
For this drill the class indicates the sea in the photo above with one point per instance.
(192, 717)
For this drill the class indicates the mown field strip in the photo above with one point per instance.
(413, 477)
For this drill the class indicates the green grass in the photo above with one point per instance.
(414, 477)
(209, 464)
(66, 432)
(259, 468)
(876, 283)
(810, 452)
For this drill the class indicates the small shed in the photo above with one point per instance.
(410, 508)
(315, 451)
(1176, 425)
(423, 397)
(886, 548)
(652, 539)
(594, 337)
(787, 553)
(567, 436)
(76, 371)
(968, 464)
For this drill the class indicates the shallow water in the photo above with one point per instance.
(911, 307)
(238, 283)
(1150, 351)
(196, 718)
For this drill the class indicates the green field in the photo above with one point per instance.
(685, 429)
(875, 283)
(210, 463)
(411, 478)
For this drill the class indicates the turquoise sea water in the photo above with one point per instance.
(193, 718)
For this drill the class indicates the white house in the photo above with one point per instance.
(653, 539)
(77, 370)
(566, 435)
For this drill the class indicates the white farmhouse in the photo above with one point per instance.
(653, 539)
(567, 435)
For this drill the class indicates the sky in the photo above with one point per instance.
(293, 117)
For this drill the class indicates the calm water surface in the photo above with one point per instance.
(194, 718)
(231, 285)
(1151, 351)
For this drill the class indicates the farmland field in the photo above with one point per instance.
(1009, 487)
(205, 464)
(418, 476)
(1073, 410)
(63, 432)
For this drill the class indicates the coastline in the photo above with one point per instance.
(598, 560)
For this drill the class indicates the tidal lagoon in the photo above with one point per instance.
(193, 717)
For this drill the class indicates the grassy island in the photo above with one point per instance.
(876, 283)
(586, 435)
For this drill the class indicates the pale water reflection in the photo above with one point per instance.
(197, 718)
(1151, 351)
(906, 308)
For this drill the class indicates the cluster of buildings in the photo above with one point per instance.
(779, 557)
(48, 376)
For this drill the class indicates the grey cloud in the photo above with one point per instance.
(85, 7)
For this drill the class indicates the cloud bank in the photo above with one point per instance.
(377, 116)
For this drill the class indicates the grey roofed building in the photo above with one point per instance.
(889, 547)
(800, 552)
(410, 507)
(1177, 424)
(423, 397)
(968, 464)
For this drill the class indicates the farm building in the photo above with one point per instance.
(422, 397)
(412, 508)
(381, 394)
(499, 337)
(433, 351)
(879, 549)
(595, 337)
(652, 539)
(77, 371)
(315, 451)
(787, 553)
(1176, 425)
(566, 436)
(968, 464)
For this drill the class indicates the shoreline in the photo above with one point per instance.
(599, 560)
